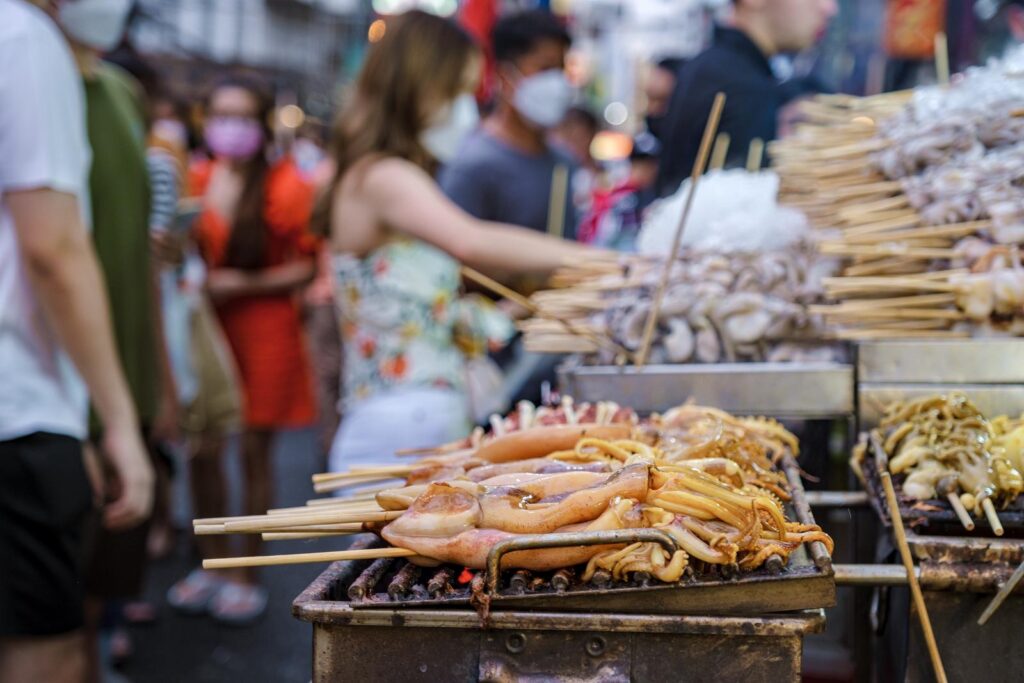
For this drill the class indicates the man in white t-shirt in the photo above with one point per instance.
(53, 319)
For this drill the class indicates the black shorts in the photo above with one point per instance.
(45, 511)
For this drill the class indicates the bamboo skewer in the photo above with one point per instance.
(221, 529)
(305, 558)
(915, 586)
(1004, 592)
(357, 472)
(302, 536)
(941, 58)
(720, 152)
(990, 514)
(276, 522)
(518, 298)
(698, 169)
(755, 155)
(960, 510)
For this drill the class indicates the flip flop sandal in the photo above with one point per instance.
(193, 594)
(239, 604)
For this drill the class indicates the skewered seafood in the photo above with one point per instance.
(949, 450)
(702, 475)
(705, 478)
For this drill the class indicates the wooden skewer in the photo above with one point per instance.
(698, 169)
(350, 482)
(556, 206)
(915, 587)
(336, 503)
(897, 314)
(275, 522)
(941, 58)
(932, 231)
(518, 298)
(221, 529)
(755, 155)
(1004, 592)
(304, 535)
(861, 335)
(338, 485)
(305, 558)
(960, 510)
(894, 249)
(364, 471)
(990, 514)
(720, 152)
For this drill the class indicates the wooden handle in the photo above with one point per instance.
(698, 169)
(915, 587)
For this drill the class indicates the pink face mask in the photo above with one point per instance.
(233, 137)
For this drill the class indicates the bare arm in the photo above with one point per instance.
(66, 278)
(228, 283)
(407, 200)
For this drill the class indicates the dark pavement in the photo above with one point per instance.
(178, 648)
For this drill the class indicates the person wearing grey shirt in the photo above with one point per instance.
(507, 171)
(495, 181)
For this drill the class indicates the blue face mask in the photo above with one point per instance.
(543, 98)
(98, 24)
(453, 123)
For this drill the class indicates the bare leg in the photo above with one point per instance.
(258, 485)
(209, 490)
(56, 659)
(90, 640)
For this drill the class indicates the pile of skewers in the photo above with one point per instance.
(942, 449)
(921, 185)
(716, 308)
(707, 479)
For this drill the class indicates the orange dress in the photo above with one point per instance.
(265, 332)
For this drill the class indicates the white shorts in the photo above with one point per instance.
(371, 431)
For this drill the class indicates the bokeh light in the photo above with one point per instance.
(291, 116)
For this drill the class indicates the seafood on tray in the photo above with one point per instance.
(945, 449)
(712, 482)
(706, 478)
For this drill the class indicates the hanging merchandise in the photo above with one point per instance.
(911, 27)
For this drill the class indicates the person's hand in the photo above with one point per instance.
(167, 247)
(132, 485)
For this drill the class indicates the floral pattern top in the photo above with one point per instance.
(403, 323)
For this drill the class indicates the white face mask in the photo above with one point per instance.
(98, 24)
(451, 126)
(544, 98)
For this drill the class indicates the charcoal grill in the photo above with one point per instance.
(515, 625)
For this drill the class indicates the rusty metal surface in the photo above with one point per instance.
(991, 653)
(517, 654)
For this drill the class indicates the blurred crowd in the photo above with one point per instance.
(165, 286)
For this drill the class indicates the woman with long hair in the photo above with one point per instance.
(398, 241)
(253, 236)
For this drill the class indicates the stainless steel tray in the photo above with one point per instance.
(958, 361)
(790, 390)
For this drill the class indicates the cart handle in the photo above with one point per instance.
(570, 539)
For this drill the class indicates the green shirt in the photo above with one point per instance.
(119, 185)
